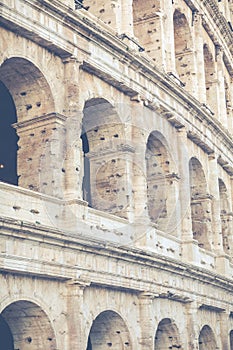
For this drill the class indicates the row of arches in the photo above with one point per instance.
(190, 56)
(125, 169)
(25, 325)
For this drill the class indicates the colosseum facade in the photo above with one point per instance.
(116, 169)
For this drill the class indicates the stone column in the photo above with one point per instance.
(146, 320)
(77, 332)
(223, 319)
(198, 41)
(192, 331)
(167, 36)
(221, 105)
(229, 105)
(127, 17)
(189, 248)
(214, 191)
(73, 162)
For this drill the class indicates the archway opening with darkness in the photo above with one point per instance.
(105, 180)
(161, 183)
(6, 338)
(206, 339)
(8, 138)
(34, 104)
(231, 340)
(167, 335)
(26, 325)
(109, 331)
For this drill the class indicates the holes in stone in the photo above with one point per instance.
(23, 93)
(63, 170)
(38, 104)
(102, 138)
(126, 344)
(102, 10)
(32, 135)
(43, 131)
(28, 340)
(29, 106)
(109, 344)
(118, 332)
(50, 339)
(116, 135)
(113, 160)
(95, 130)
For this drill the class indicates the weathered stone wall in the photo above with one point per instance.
(120, 231)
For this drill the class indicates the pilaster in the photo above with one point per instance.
(146, 320)
(77, 333)
(73, 161)
(198, 41)
(222, 113)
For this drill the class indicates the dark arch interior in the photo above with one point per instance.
(86, 186)
(8, 138)
(6, 338)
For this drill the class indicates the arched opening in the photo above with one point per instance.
(106, 158)
(7, 342)
(206, 339)
(183, 50)
(231, 340)
(36, 124)
(148, 28)
(210, 79)
(8, 138)
(167, 336)
(161, 182)
(27, 324)
(109, 331)
(200, 204)
(226, 218)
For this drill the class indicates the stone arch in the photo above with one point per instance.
(162, 182)
(231, 339)
(200, 204)
(106, 158)
(226, 217)
(206, 339)
(210, 78)
(37, 123)
(29, 88)
(28, 324)
(148, 27)
(183, 49)
(167, 335)
(109, 330)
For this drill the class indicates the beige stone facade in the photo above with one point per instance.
(116, 169)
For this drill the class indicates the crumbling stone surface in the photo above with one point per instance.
(116, 230)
